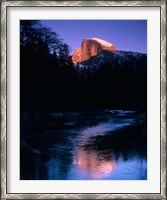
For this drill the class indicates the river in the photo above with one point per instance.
(92, 145)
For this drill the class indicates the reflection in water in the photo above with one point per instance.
(84, 146)
(93, 164)
(86, 134)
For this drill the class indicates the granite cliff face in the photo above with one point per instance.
(91, 47)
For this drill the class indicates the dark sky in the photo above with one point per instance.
(126, 35)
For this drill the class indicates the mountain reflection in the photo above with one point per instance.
(93, 164)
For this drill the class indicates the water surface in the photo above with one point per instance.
(104, 145)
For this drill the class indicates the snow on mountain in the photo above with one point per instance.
(103, 42)
(115, 58)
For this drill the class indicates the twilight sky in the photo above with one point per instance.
(126, 35)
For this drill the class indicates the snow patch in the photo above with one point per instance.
(103, 42)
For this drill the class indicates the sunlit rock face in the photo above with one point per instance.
(77, 55)
(91, 47)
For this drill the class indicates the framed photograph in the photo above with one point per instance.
(83, 100)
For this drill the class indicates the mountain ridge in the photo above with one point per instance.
(118, 59)
(94, 52)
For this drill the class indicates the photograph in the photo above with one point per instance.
(83, 99)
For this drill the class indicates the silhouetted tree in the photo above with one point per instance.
(42, 53)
